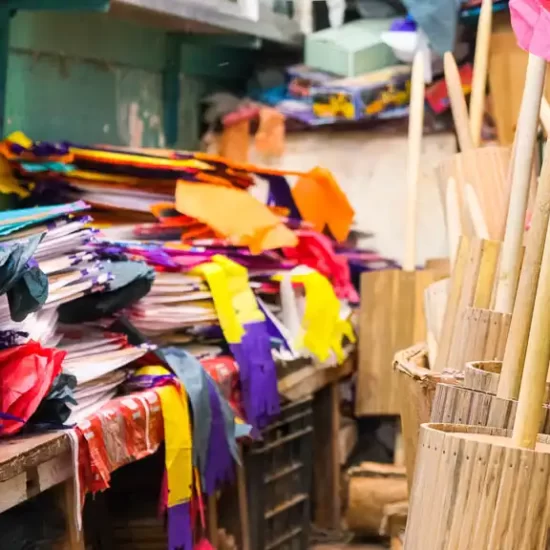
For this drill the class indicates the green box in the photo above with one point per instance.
(350, 50)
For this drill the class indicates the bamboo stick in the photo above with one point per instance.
(525, 140)
(537, 358)
(416, 122)
(458, 102)
(481, 62)
(516, 346)
(545, 115)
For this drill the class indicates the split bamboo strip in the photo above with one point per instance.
(416, 385)
(486, 170)
(474, 490)
(476, 292)
(453, 299)
(482, 376)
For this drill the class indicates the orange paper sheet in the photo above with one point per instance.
(234, 214)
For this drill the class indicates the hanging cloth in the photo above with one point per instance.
(178, 460)
(245, 330)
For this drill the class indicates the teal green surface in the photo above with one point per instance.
(90, 78)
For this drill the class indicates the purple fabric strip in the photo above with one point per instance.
(258, 375)
(279, 190)
(219, 462)
(180, 536)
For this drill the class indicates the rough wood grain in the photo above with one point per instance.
(477, 286)
(486, 170)
(416, 384)
(391, 319)
(474, 489)
(311, 378)
(453, 299)
(326, 457)
(482, 376)
(455, 404)
(371, 487)
(21, 453)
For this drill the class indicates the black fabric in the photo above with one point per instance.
(28, 294)
(54, 409)
(14, 258)
(95, 306)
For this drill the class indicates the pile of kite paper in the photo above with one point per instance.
(48, 271)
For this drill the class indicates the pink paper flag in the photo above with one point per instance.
(531, 24)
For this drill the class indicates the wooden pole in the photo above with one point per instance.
(525, 140)
(514, 356)
(481, 62)
(537, 358)
(545, 115)
(416, 122)
(458, 102)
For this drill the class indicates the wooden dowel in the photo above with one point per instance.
(525, 140)
(545, 115)
(458, 102)
(416, 122)
(537, 358)
(481, 62)
(516, 346)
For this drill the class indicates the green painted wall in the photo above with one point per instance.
(89, 78)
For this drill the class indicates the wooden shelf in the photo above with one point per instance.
(209, 15)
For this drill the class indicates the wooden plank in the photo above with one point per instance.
(73, 539)
(311, 379)
(34, 481)
(13, 492)
(377, 316)
(347, 439)
(326, 456)
(449, 319)
(243, 508)
(21, 453)
(213, 519)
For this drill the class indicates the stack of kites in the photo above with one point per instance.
(48, 272)
(195, 269)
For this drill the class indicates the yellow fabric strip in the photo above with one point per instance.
(178, 440)
(242, 298)
(219, 287)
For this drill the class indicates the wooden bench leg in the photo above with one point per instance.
(326, 456)
(213, 519)
(243, 507)
(73, 539)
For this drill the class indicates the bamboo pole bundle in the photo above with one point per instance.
(484, 487)
(470, 330)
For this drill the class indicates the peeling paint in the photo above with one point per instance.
(138, 107)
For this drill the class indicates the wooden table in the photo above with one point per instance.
(30, 465)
